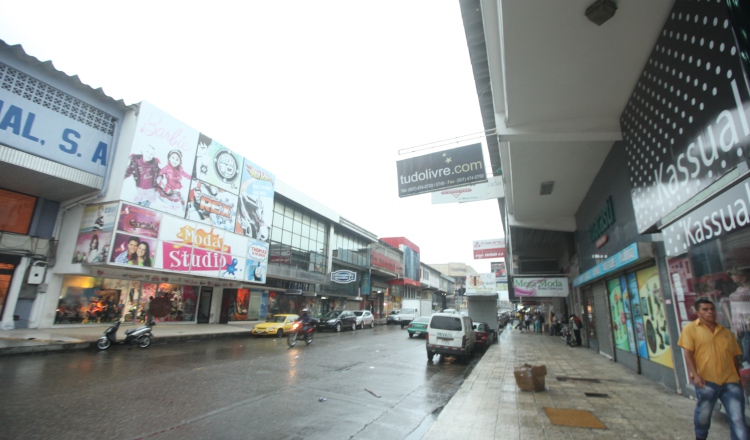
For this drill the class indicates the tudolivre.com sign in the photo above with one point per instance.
(540, 287)
(442, 170)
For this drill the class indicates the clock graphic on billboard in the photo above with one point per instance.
(226, 167)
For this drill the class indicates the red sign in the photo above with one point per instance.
(480, 254)
(601, 241)
(379, 260)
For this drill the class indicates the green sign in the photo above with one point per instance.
(603, 221)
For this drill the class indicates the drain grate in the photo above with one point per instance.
(596, 395)
(582, 379)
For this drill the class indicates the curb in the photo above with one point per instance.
(91, 345)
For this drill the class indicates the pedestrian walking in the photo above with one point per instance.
(711, 354)
(527, 321)
(576, 324)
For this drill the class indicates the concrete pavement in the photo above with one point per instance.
(489, 404)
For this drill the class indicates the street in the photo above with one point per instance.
(232, 388)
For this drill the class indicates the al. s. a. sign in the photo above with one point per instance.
(343, 276)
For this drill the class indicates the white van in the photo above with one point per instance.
(450, 335)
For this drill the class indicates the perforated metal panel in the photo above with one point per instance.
(45, 95)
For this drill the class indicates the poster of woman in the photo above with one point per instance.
(161, 162)
(95, 233)
(134, 251)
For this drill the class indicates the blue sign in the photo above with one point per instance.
(343, 276)
(611, 264)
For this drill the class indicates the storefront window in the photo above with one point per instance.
(88, 300)
(654, 317)
(719, 271)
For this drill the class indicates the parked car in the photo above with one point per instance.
(483, 336)
(365, 318)
(450, 335)
(418, 327)
(338, 320)
(451, 311)
(277, 325)
(392, 317)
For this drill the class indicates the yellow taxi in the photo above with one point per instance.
(277, 325)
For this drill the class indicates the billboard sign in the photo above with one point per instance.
(493, 248)
(442, 170)
(492, 189)
(540, 287)
(95, 233)
(480, 284)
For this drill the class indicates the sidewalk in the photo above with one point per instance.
(489, 405)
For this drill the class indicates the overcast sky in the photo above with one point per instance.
(323, 94)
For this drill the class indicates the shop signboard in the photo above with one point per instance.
(722, 215)
(541, 287)
(481, 284)
(36, 121)
(623, 258)
(684, 132)
(343, 276)
(382, 261)
(492, 189)
(441, 170)
(95, 233)
(492, 248)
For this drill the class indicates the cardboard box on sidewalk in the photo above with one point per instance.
(530, 377)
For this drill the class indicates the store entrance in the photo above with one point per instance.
(204, 305)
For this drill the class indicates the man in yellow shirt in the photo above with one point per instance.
(711, 356)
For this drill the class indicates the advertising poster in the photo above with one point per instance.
(492, 248)
(95, 233)
(654, 317)
(636, 310)
(130, 250)
(256, 202)
(161, 162)
(217, 165)
(480, 284)
(256, 265)
(617, 311)
(211, 205)
(441, 170)
(628, 313)
(137, 220)
(501, 275)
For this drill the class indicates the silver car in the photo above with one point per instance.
(364, 318)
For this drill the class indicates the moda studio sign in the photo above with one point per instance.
(726, 213)
(687, 121)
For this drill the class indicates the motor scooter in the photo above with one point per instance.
(298, 331)
(136, 336)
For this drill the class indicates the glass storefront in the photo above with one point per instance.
(90, 300)
(718, 270)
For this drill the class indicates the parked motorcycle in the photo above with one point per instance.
(298, 332)
(137, 336)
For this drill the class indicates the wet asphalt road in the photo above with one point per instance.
(232, 388)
